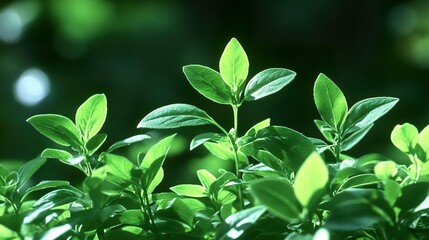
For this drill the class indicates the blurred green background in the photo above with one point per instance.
(54, 54)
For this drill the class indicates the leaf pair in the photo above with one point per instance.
(340, 125)
(81, 135)
(229, 85)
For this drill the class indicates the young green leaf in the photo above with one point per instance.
(234, 65)
(367, 111)
(209, 83)
(95, 143)
(354, 138)
(278, 196)
(311, 180)
(267, 82)
(45, 185)
(175, 116)
(424, 140)
(405, 137)
(154, 158)
(119, 168)
(90, 116)
(330, 101)
(206, 178)
(189, 190)
(57, 128)
(127, 142)
(201, 139)
(28, 169)
(56, 154)
(385, 169)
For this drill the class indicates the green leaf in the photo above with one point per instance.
(351, 140)
(278, 196)
(236, 224)
(45, 185)
(286, 144)
(90, 116)
(220, 150)
(175, 116)
(405, 137)
(311, 179)
(424, 140)
(189, 190)
(156, 181)
(128, 141)
(367, 111)
(412, 196)
(154, 158)
(132, 217)
(28, 169)
(57, 128)
(202, 138)
(234, 65)
(206, 178)
(327, 131)
(95, 143)
(267, 82)
(61, 155)
(359, 181)
(330, 101)
(62, 196)
(119, 168)
(209, 83)
(392, 191)
(386, 169)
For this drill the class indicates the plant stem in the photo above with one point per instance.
(236, 158)
(149, 210)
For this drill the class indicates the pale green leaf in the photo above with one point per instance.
(209, 83)
(90, 116)
(367, 111)
(56, 154)
(278, 196)
(58, 128)
(118, 168)
(128, 141)
(311, 180)
(201, 139)
(205, 177)
(267, 82)
(405, 137)
(330, 101)
(424, 140)
(385, 169)
(234, 65)
(189, 190)
(175, 116)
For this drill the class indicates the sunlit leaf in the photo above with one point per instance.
(267, 82)
(367, 111)
(385, 169)
(189, 190)
(278, 196)
(175, 116)
(330, 101)
(209, 83)
(311, 179)
(205, 177)
(201, 139)
(154, 158)
(234, 65)
(90, 116)
(58, 128)
(405, 137)
(128, 141)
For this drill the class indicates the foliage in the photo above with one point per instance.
(284, 185)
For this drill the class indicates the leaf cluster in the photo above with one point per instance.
(284, 185)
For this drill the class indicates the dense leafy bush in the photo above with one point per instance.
(284, 185)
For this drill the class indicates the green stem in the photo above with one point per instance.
(236, 159)
(149, 210)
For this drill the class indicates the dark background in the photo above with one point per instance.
(133, 51)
